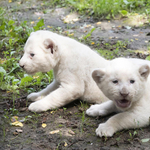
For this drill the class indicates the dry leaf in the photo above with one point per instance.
(132, 40)
(32, 22)
(65, 144)
(2, 61)
(71, 18)
(38, 13)
(49, 26)
(35, 77)
(76, 19)
(135, 35)
(71, 34)
(52, 112)
(44, 125)
(15, 133)
(145, 140)
(98, 23)
(17, 124)
(53, 132)
(89, 25)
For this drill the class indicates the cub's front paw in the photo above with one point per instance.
(33, 97)
(105, 130)
(38, 106)
(93, 111)
(96, 110)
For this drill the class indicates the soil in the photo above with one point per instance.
(69, 127)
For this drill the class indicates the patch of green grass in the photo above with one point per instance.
(111, 51)
(106, 8)
(89, 34)
(60, 125)
(132, 135)
(108, 54)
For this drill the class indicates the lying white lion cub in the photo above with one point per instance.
(72, 63)
(128, 86)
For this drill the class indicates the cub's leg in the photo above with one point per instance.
(39, 95)
(58, 98)
(124, 120)
(101, 109)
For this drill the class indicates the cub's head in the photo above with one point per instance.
(122, 81)
(40, 53)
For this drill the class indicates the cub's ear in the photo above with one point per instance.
(144, 71)
(98, 75)
(50, 45)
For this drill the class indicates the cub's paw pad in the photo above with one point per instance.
(105, 130)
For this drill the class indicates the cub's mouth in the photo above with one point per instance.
(124, 103)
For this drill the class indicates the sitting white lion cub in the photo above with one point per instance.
(128, 86)
(72, 63)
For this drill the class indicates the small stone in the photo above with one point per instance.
(15, 133)
(19, 130)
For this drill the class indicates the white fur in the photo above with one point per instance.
(135, 112)
(72, 63)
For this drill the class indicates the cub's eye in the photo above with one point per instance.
(132, 81)
(31, 54)
(115, 81)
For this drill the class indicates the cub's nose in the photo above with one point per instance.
(124, 94)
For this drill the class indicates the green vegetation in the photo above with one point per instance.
(132, 135)
(107, 8)
(12, 39)
(116, 50)
(13, 36)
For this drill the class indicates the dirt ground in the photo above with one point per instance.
(69, 127)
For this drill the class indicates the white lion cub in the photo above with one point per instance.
(127, 84)
(72, 63)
